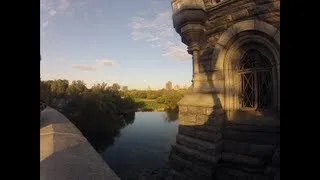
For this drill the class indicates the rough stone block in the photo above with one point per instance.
(226, 36)
(208, 128)
(261, 150)
(242, 159)
(197, 154)
(258, 2)
(243, 26)
(240, 15)
(209, 111)
(199, 145)
(202, 119)
(275, 6)
(195, 110)
(216, 120)
(257, 10)
(253, 127)
(183, 109)
(202, 172)
(209, 136)
(277, 37)
(235, 147)
(265, 27)
(217, 29)
(212, 137)
(187, 119)
(252, 137)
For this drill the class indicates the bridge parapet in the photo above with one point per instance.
(65, 154)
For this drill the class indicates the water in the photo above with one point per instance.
(143, 145)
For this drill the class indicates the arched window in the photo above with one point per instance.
(256, 89)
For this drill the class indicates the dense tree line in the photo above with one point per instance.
(99, 112)
(111, 99)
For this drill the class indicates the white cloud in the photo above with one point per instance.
(107, 63)
(52, 12)
(50, 8)
(45, 24)
(178, 52)
(82, 67)
(64, 4)
(158, 31)
(101, 63)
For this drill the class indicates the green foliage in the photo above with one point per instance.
(124, 88)
(157, 100)
(115, 87)
(45, 91)
(59, 87)
(76, 88)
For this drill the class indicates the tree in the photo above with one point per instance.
(45, 91)
(76, 88)
(124, 88)
(115, 87)
(169, 85)
(99, 87)
(59, 87)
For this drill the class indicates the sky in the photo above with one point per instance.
(129, 42)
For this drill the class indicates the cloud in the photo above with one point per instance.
(64, 4)
(52, 12)
(178, 52)
(107, 63)
(84, 67)
(45, 24)
(97, 66)
(157, 30)
(50, 8)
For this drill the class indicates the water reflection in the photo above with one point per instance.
(130, 143)
(144, 145)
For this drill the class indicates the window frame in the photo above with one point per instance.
(254, 71)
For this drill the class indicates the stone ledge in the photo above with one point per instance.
(203, 146)
(201, 100)
(65, 154)
(265, 151)
(197, 154)
(258, 138)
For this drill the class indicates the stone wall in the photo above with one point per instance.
(216, 138)
(65, 154)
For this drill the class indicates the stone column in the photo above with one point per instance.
(193, 49)
(198, 146)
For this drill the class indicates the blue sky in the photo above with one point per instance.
(131, 42)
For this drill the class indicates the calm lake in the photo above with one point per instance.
(143, 145)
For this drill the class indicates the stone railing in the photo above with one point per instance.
(178, 5)
(65, 154)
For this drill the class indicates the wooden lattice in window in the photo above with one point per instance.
(256, 81)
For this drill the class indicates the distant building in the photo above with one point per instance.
(177, 87)
(169, 85)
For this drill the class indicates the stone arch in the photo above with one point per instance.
(236, 39)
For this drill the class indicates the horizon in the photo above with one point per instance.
(144, 51)
(186, 86)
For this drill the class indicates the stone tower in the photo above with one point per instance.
(229, 124)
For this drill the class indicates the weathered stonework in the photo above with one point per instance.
(217, 137)
(65, 154)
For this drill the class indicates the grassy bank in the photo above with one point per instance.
(150, 105)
